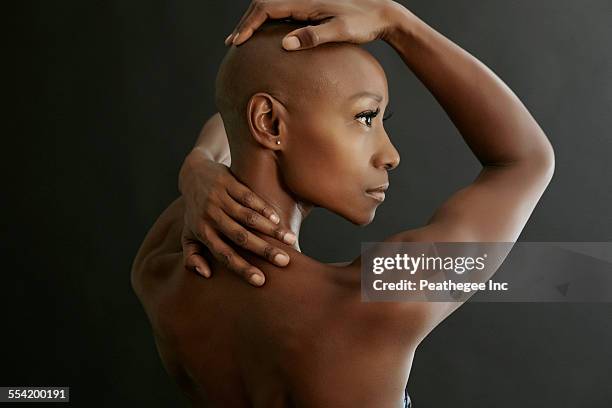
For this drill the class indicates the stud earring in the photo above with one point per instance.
(278, 142)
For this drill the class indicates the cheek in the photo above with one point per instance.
(316, 170)
(328, 170)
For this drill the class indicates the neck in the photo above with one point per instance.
(259, 171)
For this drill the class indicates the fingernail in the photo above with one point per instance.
(256, 279)
(235, 37)
(291, 42)
(281, 259)
(202, 273)
(289, 238)
(227, 39)
(275, 218)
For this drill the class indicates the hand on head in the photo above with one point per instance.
(354, 21)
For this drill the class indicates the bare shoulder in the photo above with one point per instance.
(405, 323)
(162, 242)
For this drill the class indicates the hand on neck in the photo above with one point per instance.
(258, 169)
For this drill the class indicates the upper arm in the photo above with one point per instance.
(494, 208)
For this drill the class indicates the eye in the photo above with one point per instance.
(367, 116)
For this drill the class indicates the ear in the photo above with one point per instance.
(266, 119)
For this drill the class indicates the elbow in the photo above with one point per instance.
(547, 160)
(542, 159)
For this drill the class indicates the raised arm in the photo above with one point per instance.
(517, 158)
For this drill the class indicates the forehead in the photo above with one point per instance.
(340, 72)
(334, 73)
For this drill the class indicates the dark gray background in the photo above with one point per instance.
(106, 99)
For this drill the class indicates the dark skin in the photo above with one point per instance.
(304, 338)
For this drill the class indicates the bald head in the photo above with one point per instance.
(294, 78)
(305, 127)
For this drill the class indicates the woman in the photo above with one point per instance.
(305, 131)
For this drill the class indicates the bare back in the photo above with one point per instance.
(304, 339)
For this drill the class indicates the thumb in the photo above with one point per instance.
(311, 36)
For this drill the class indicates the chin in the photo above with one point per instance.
(364, 219)
(361, 214)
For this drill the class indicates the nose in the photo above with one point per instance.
(387, 156)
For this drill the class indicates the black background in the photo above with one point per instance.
(107, 97)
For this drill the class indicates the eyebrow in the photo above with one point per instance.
(368, 94)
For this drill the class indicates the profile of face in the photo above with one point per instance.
(336, 151)
(326, 108)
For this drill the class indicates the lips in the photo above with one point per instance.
(378, 193)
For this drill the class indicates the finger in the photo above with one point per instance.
(246, 239)
(256, 221)
(262, 11)
(308, 37)
(193, 259)
(243, 195)
(232, 261)
(230, 37)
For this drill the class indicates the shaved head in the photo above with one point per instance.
(294, 78)
(306, 125)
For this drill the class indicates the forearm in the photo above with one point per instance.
(497, 127)
(212, 141)
(211, 145)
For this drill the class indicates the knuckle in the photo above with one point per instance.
(190, 260)
(204, 211)
(188, 247)
(210, 212)
(309, 37)
(201, 233)
(269, 252)
(206, 239)
(343, 27)
(252, 218)
(279, 233)
(245, 271)
(218, 183)
(267, 211)
(226, 258)
(214, 215)
(219, 225)
(241, 237)
(247, 198)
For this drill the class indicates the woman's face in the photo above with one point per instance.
(337, 152)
